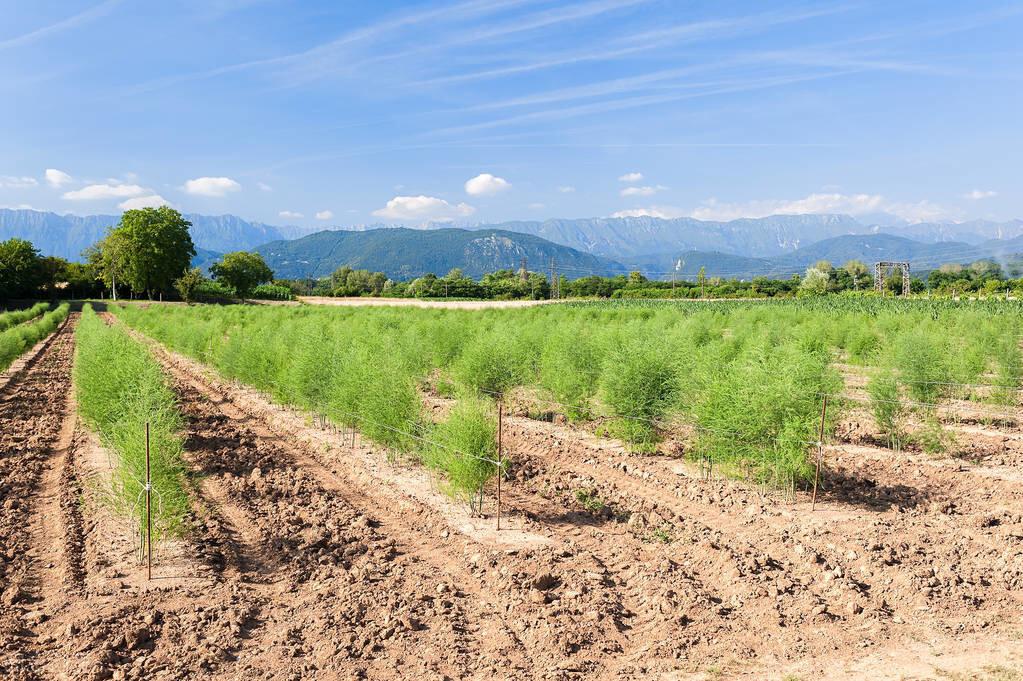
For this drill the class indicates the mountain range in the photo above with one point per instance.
(67, 236)
(778, 245)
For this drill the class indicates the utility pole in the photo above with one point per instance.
(555, 282)
(523, 273)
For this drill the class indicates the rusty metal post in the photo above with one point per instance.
(500, 459)
(820, 453)
(149, 512)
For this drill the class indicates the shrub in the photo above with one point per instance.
(210, 291)
(570, 370)
(934, 438)
(493, 362)
(761, 412)
(637, 383)
(466, 444)
(1008, 372)
(887, 407)
(272, 292)
(920, 359)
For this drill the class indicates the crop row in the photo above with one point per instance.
(17, 339)
(15, 317)
(747, 380)
(350, 383)
(119, 388)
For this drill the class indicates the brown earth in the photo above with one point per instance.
(311, 556)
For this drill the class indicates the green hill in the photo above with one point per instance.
(408, 253)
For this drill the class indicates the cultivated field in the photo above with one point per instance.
(325, 485)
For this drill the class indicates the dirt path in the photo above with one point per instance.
(35, 440)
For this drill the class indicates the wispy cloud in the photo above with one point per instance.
(640, 41)
(848, 204)
(63, 25)
(642, 191)
(324, 56)
(639, 101)
(15, 182)
(108, 190)
(978, 194)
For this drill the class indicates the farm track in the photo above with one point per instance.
(34, 443)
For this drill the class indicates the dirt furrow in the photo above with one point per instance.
(872, 570)
(658, 606)
(511, 587)
(34, 437)
(365, 601)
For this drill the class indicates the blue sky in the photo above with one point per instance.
(338, 113)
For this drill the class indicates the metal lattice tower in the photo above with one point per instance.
(881, 270)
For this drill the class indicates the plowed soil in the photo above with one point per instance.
(312, 557)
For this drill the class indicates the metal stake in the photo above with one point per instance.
(149, 512)
(500, 459)
(820, 454)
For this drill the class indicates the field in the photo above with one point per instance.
(827, 488)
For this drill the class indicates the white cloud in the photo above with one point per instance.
(324, 215)
(264, 187)
(211, 186)
(536, 206)
(290, 215)
(150, 201)
(566, 189)
(848, 204)
(642, 191)
(422, 208)
(96, 192)
(12, 182)
(57, 178)
(486, 184)
(978, 194)
(631, 177)
(662, 212)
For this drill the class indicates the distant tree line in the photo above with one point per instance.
(149, 253)
(983, 277)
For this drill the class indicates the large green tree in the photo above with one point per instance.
(161, 249)
(243, 271)
(21, 269)
(148, 250)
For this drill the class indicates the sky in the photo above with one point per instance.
(474, 111)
